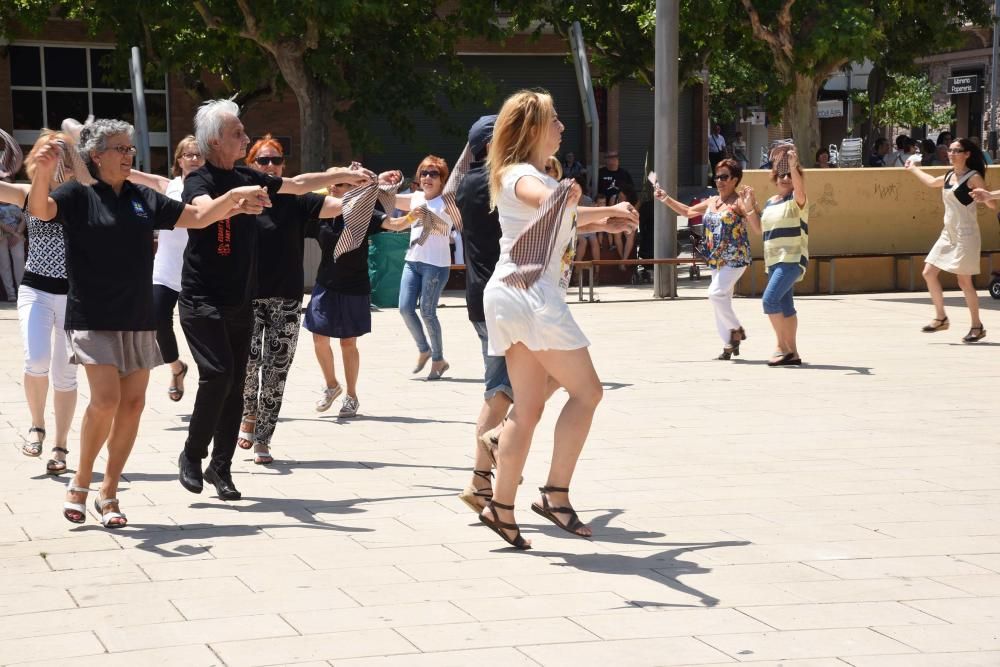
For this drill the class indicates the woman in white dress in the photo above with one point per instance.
(958, 248)
(526, 312)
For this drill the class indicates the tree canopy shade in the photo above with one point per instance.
(344, 60)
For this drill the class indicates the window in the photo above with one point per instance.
(50, 83)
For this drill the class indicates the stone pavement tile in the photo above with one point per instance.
(202, 631)
(839, 615)
(110, 616)
(35, 601)
(870, 590)
(430, 591)
(180, 656)
(94, 595)
(912, 566)
(756, 573)
(807, 662)
(541, 606)
(669, 623)
(658, 652)
(220, 567)
(381, 616)
(804, 533)
(978, 659)
(271, 580)
(960, 610)
(947, 638)
(53, 648)
(974, 584)
(807, 644)
(330, 646)
(120, 574)
(273, 602)
(484, 568)
(990, 561)
(10, 567)
(458, 636)
(906, 529)
(332, 559)
(486, 656)
(126, 557)
(87, 541)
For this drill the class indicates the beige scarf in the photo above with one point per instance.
(12, 158)
(428, 220)
(533, 247)
(358, 208)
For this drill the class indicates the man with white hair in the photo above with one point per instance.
(218, 283)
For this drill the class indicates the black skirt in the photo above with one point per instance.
(336, 315)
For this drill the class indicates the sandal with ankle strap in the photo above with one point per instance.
(572, 525)
(108, 517)
(262, 454)
(174, 392)
(246, 439)
(471, 493)
(971, 337)
(498, 526)
(33, 448)
(942, 324)
(79, 508)
(54, 466)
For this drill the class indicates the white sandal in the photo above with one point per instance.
(247, 437)
(79, 508)
(106, 519)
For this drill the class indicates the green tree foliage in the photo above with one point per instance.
(908, 102)
(344, 60)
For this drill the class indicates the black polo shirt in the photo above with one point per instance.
(349, 274)
(613, 180)
(480, 236)
(283, 229)
(220, 261)
(109, 253)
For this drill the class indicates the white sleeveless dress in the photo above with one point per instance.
(957, 249)
(539, 316)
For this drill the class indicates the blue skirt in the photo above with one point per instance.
(336, 315)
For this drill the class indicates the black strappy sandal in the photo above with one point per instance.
(549, 512)
(471, 493)
(54, 466)
(942, 324)
(733, 349)
(174, 392)
(975, 333)
(498, 526)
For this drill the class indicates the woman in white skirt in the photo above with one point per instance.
(527, 317)
(957, 249)
(110, 322)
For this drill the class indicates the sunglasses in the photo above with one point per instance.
(430, 173)
(956, 151)
(722, 177)
(276, 160)
(786, 174)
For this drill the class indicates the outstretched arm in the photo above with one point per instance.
(13, 193)
(204, 210)
(303, 183)
(678, 207)
(924, 177)
(158, 183)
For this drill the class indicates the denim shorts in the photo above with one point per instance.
(780, 286)
(497, 380)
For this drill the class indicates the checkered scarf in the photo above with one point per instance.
(430, 222)
(533, 247)
(358, 208)
(10, 162)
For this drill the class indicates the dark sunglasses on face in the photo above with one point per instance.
(276, 160)
(786, 174)
(430, 173)
(956, 151)
(722, 177)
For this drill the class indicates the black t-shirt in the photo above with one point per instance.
(220, 261)
(613, 180)
(283, 229)
(480, 236)
(349, 274)
(109, 253)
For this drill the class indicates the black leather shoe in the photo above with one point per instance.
(223, 482)
(190, 473)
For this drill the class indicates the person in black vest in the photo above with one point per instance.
(218, 283)
(110, 318)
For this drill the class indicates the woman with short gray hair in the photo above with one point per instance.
(110, 325)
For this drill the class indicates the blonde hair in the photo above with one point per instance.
(553, 162)
(523, 119)
(44, 137)
(189, 140)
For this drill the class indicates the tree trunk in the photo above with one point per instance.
(316, 106)
(801, 116)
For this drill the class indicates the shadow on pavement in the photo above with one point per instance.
(856, 370)
(388, 419)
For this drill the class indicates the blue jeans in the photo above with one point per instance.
(780, 285)
(424, 283)
(497, 379)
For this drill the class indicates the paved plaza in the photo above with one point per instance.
(842, 513)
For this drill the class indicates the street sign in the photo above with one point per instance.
(830, 108)
(963, 85)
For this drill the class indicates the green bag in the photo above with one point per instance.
(386, 258)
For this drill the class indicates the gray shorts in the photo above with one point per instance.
(128, 351)
(497, 380)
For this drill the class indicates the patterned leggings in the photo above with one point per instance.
(272, 348)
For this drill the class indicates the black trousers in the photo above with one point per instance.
(219, 338)
(164, 301)
(713, 158)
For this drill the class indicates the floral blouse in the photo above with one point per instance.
(726, 238)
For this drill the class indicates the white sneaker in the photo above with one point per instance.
(329, 395)
(349, 408)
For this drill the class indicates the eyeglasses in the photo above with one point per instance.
(430, 173)
(722, 177)
(191, 156)
(124, 150)
(787, 174)
(956, 151)
(276, 160)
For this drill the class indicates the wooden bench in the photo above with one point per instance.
(590, 265)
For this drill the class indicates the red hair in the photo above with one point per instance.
(266, 140)
(433, 161)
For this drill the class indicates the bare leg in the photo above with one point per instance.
(35, 391)
(105, 394)
(971, 298)
(778, 324)
(124, 430)
(324, 355)
(64, 403)
(791, 329)
(934, 287)
(352, 364)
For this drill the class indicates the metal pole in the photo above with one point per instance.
(993, 80)
(665, 143)
(587, 100)
(139, 110)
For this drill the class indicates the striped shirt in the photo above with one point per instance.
(786, 233)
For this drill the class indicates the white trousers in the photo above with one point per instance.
(42, 316)
(720, 293)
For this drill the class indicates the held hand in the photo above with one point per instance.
(909, 164)
(793, 159)
(390, 177)
(659, 193)
(357, 166)
(616, 225)
(625, 210)
(575, 192)
(46, 160)
(250, 199)
(982, 195)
